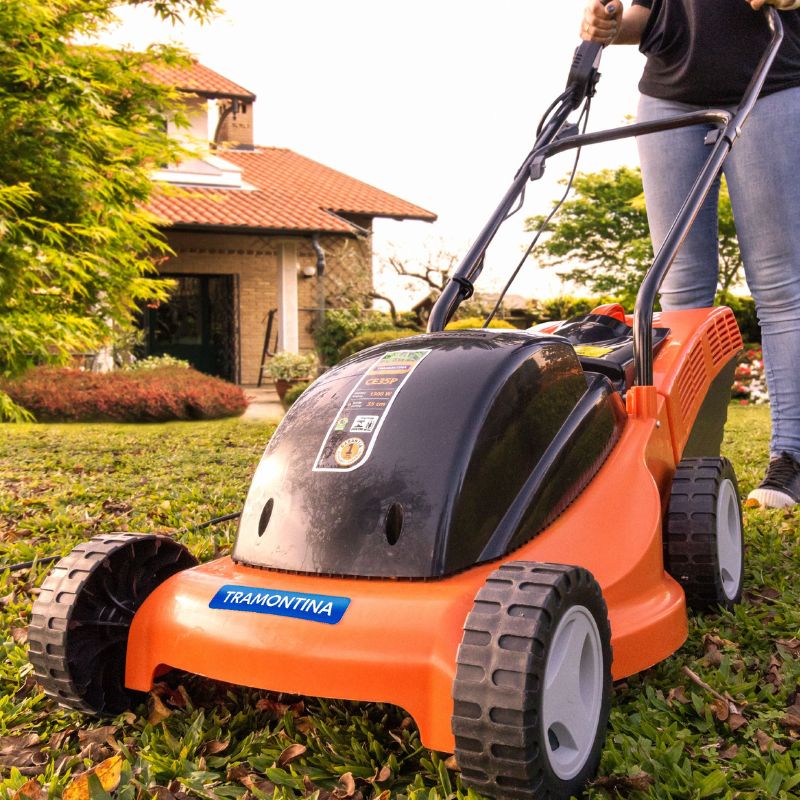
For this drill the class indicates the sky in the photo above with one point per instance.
(436, 102)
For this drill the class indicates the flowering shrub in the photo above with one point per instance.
(750, 382)
(156, 362)
(54, 394)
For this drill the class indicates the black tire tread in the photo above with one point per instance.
(52, 611)
(690, 531)
(500, 666)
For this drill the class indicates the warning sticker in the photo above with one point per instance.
(353, 432)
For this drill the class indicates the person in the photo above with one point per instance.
(701, 54)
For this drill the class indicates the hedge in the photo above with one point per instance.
(372, 338)
(477, 322)
(55, 394)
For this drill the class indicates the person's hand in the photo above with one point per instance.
(601, 23)
(781, 5)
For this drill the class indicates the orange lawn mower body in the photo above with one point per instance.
(484, 527)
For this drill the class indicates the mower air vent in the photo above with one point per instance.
(724, 338)
(691, 382)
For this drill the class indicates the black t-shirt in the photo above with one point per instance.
(705, 51)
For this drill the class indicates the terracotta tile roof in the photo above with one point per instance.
(198, 79)
(291, 193)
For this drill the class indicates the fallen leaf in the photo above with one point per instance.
(385, 774)
(99, 735)
(792, 645)
(31, 790)
(291, 753)
(19, 635)
(160, 793)
(346, 786)
(720, 709)
(729, 752)
(23, 752)
(108, 773)
(214, 746)
(158, 712)
(624, 783)
(257, 783)
(736, 721)
(678, 694)
(238, 772)
(451, 763)
(792, 718)
(766, 743)
(304, 725)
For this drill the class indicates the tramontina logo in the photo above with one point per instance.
(301, 605)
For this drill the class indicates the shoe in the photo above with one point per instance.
(781, 485)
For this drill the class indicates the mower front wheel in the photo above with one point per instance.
(703, 533)
(78, 636)
(533, 683)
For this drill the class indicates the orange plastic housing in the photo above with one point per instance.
(398, 639)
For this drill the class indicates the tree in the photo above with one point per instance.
(81, 128)
(603, 229)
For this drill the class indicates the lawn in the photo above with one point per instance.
(719, 719)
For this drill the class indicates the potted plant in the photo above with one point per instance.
(290, 368)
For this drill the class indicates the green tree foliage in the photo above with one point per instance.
(602, 234)
(81, 128)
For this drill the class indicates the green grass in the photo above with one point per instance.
(60, 484)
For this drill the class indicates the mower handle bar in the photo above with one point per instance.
(728, 127)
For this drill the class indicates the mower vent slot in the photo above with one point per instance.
(266, 514)
(394, 523)
(691, 381)
(724, 338)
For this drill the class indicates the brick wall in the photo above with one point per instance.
(254, 260)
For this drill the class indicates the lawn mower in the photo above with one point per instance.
(484, 527)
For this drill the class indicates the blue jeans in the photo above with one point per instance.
(763, 177)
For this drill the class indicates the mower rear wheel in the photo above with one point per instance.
(78, 636)
(533, 683)
(703, 533)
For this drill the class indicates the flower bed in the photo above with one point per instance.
(750, 382)
(148, 395)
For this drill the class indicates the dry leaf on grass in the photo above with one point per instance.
(792, 718)
(23, 752)
(623, 784)
(346, 786)
(108, 773)
(157, 711)
(31, 790)
(291, 753)
(729, 752)
(766, 743)
(214, 746)
(19, 635)
(678, 694)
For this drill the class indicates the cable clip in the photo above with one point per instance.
(467, 288)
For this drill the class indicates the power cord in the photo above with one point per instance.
(50, 559)
(583, 121)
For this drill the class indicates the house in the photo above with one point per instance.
(254, 230)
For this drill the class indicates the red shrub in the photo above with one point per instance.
(155, 395)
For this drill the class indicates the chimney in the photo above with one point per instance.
(235, 128)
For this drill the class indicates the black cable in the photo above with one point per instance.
(217, 520)
(583, 118)
(50, 559)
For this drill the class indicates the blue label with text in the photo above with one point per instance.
(301, 605)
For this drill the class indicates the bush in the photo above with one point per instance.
(477, 322)
(54, 394)
(372, 338)
(292, 366)
(341, 325)
(293, 392)
(157, 362)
